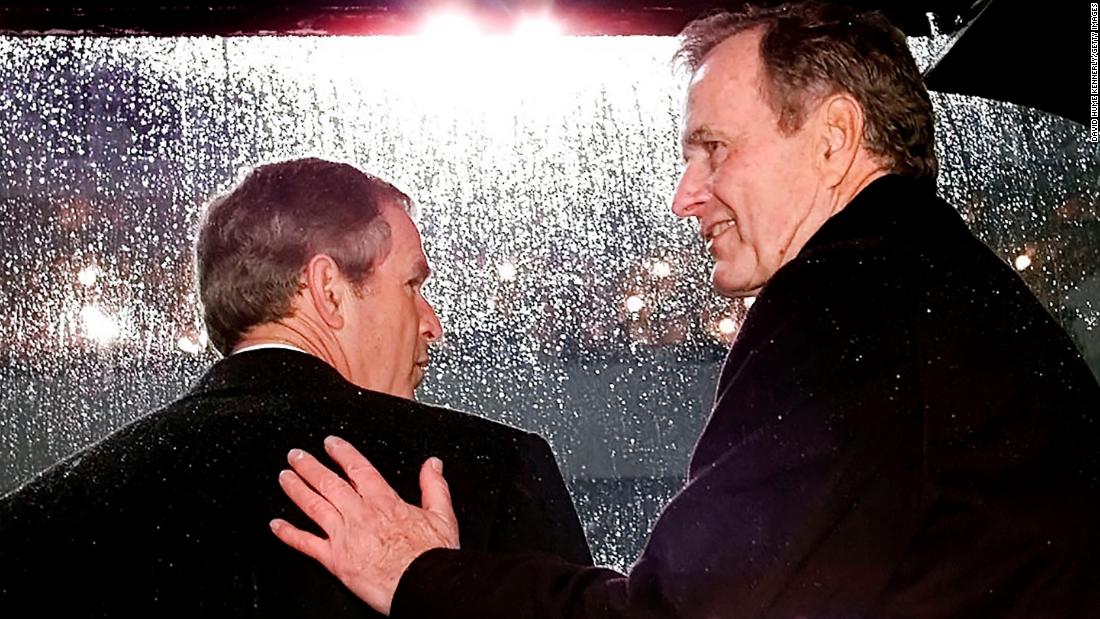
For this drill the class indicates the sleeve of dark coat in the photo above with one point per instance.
(809, 461)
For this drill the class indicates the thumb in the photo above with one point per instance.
(435, 496)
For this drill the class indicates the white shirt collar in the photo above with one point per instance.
(268, 345)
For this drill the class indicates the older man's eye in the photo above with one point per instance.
(716, 153)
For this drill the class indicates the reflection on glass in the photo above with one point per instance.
(574, 303)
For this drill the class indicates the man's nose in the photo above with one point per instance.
(691, 192)
(429, 322)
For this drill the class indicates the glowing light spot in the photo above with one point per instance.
(661, 269)
(88, 275)
(538, 28)
(727, 326)
(634, 304)
(1023, 261)
(506, 271)
(98, 326)
(449, 25)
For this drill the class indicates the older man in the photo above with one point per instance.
(900, 429)
(310, 275)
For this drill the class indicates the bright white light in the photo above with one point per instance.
(449, 25)
(726, 326)
(188, 345)
(506, 271)
(88, 275)
(748, 301)
(634, 304)
(538, 28)
(661, 268)
(1023, 261)
(99, 326)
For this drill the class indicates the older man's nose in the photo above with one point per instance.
(691, 193)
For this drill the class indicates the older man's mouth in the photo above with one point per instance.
(716, 230)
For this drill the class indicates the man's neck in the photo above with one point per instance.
(862, 174)
(280, 335)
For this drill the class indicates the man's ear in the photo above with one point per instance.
(841, 136)
(326, 290)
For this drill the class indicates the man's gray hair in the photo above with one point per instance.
(810, 50)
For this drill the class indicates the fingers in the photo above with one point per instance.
(435, 495)
(328, 484)
(315, 506)
(368, 481)
(305, 543)
(372, 535)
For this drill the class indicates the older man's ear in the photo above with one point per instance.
(840, 124)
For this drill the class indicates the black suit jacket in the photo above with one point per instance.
(900, 430)
(168, 516)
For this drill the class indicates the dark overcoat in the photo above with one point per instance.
(901, 429)
(169, 515)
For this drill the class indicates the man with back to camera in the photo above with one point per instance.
(310, 275)
(900, 428)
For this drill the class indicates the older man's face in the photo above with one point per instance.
(750, 187)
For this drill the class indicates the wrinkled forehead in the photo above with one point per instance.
(695, 92)
(730, 72)
(736, 58)
(699, 76)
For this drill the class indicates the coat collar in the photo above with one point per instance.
(271, 369)
(892, 207)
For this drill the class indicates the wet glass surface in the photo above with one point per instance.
(574, 303)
